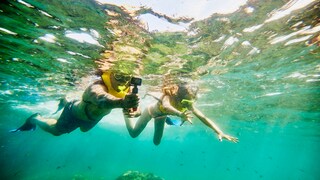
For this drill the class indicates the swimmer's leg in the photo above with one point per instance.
(135, 129)
(29, 125)
(44, 123)
(158, 129)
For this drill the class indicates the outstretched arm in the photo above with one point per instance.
(212, 125)
(133, 128)
(97, 94)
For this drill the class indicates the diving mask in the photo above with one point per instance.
(121, 77)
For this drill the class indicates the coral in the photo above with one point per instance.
(136, 175)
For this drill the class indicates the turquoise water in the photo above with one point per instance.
(269, 100)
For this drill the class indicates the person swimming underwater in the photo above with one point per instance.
(110, 92)
(176, 100)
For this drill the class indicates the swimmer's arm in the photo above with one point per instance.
(212, 125)
(169, 108)
(206, 120)
(185, 116)
(97, 94)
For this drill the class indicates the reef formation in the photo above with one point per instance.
(136, 175)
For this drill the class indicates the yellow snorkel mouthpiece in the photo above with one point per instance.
(187, 101)
(122, 88)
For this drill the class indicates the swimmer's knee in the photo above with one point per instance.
(83, 129)
(156, 142)
(133, 135)
(55, 133)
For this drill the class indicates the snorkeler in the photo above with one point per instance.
(111, 91)
(177, 100)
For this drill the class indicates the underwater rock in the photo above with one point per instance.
(136, 175)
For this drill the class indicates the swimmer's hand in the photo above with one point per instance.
(186, 116)
(130, 101)
(227, 137)
(131, 113)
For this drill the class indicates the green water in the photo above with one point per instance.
(269, 100)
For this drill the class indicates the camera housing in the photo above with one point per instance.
(135, 81)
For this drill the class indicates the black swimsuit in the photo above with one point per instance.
(67, 122)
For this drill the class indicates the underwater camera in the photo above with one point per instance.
(135, 81)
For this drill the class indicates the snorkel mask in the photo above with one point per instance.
(189, 94)
(122, 81)
(122, 78)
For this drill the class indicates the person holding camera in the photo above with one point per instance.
(110, 92)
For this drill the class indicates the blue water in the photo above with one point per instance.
(265, 151)
(269, 100)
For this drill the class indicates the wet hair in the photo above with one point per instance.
(98, 72)
(181, 91)
(170, 90)
(186, 91)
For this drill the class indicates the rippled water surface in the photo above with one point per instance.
(257, 68)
